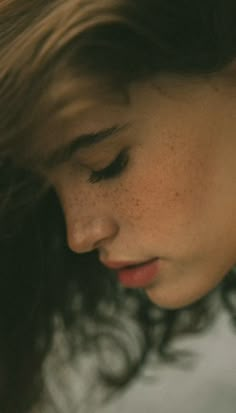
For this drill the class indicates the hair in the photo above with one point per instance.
(46, 47)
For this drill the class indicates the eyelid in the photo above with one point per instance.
(113, 169)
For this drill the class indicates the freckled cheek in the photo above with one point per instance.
(161, 200)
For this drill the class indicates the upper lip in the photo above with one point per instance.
(119, 265)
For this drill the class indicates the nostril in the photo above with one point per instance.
(78, 242)
(87, 238)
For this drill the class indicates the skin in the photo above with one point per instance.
(176, 199)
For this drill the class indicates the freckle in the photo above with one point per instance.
(177, 194)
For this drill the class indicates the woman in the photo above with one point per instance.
(118, 194)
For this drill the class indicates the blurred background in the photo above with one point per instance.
(209, 386)
(204, 383)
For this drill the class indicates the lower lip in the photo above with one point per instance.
(141, 276)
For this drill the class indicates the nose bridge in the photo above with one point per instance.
(89, 225)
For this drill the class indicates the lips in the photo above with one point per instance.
(133, 275)
(120, 265)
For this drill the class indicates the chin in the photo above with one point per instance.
(177, 299)
(174, 290)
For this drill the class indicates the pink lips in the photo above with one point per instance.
(136, 276)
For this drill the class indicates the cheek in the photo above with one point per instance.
(167, 193)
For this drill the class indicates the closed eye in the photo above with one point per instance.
(113, 170)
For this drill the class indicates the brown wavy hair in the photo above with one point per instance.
(45, 48)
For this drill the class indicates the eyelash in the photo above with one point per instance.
(113, 170)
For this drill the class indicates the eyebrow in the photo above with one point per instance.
(84, 141)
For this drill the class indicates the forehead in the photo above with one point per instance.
(78, 105)
(73, 106)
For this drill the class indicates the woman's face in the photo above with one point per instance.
(171, 192)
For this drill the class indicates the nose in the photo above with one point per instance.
(95, 233)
